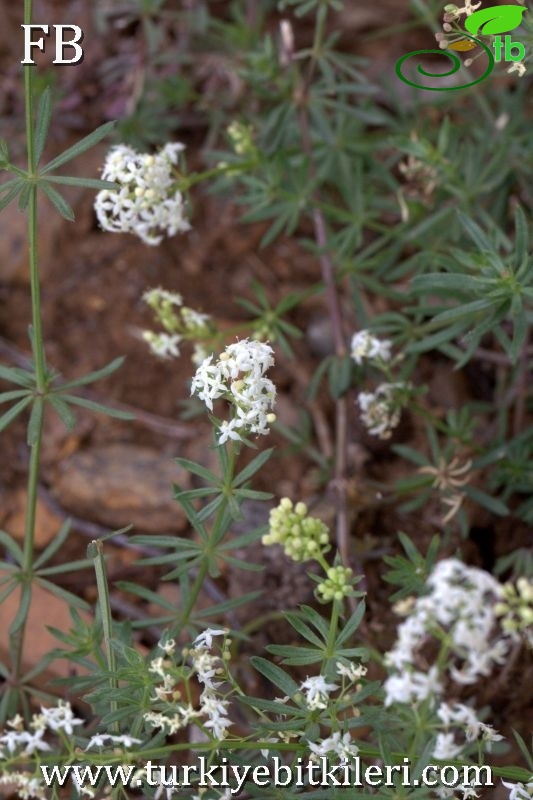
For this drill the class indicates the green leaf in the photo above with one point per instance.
(410, 455)
(12, 547)
(317, 620)
(69, 598)
(36, 421)
(275, 675)
(198, 469)
(351, 626)
(80, 147)
(69, 566)
(88, 183)
(444, 283)
(14, 411)
(99, 407)
(56, 543)
(228, 605)
(91, 377)
(4, 152)
(524, 750)
(296, 656)
(19, 376)
(304, 630)
(22, 613)
(435, 340)
(486, 501)
(253, 467)
(460, 311)
(521, 244)
(15, 187)
(65, 414)
(24, 195)
(474, 231)
(44, 115)
(14, 394)
(147, 594)
(340, 375)
(58, 201)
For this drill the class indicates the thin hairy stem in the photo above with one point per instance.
(17, 640)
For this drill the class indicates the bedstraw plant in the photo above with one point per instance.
(374, 201)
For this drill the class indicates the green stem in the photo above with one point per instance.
(192, 594)
(96, 552)
(38, 351)
(333, 627)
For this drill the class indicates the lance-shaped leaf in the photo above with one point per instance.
(98, 407)
(80, 147)
(13, 412)
(90, 377)
(13, 187)
(58, 201)
(19, 376)
(89, 183)
(44, 115)
(36, 421)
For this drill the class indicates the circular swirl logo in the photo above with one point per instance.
(440, 75)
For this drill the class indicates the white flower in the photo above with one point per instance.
(239, 377)
(520, 791)
(205, 665)
(103, 739)
(412, 687)
(163, 345)
(453, 11)
(146, 201)
(380, 411)
(351, 671)
(27, 786)
(217, 710)
(61, 718)
(341, 746)
(158, 296)
(364, 346)
(446, 747)
(168, 646)
(29, 742)
(205, 639)
(317, 691)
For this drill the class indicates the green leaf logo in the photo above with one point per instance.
(500, 19)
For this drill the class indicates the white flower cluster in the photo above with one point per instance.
(465, 719)
(380, 410)
(460, 606)
(25, 742)
(179, 323)
(412, 686)
(238, 376)
(461, 601)
(206, 666)
(146, 202)
(365, 347)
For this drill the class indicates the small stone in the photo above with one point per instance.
(122, 484)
